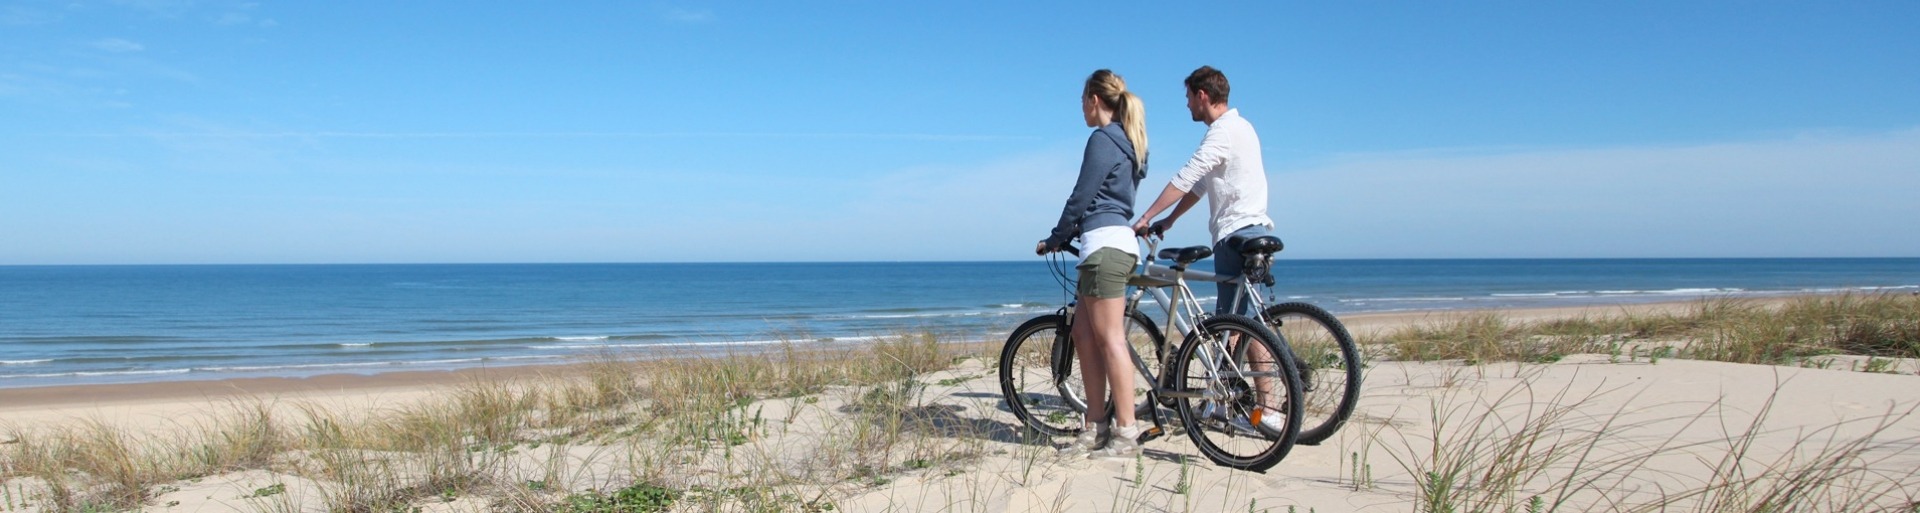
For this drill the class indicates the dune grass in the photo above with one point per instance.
(718, 432)
(1798, 331)
(1516, 452)
(1533, 450)
(466, 442)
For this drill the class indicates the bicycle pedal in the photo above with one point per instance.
(1151, 433)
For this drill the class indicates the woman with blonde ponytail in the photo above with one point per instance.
(1098, 213)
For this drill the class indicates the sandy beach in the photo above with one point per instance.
(1625, 429)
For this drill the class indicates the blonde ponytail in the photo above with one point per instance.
(1133, 120)
(1111, 90)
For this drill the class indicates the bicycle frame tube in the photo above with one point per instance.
(1158, 278)
(1183, 310)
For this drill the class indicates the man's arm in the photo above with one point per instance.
(1211, 155)
(1167, 198)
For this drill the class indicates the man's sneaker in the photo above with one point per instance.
(1273, 421)
(1086, 443)
(1125, 444)
(1272, 424)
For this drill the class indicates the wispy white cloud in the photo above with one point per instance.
(989, 210)
(117, 45)
(165, 8)
(1813, 195)
(19, 15)
(12, 84)
(242, 18)
(681, 15)
(558, 135)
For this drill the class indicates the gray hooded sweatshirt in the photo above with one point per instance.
(1104, 194)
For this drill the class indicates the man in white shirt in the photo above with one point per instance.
(1228, 171)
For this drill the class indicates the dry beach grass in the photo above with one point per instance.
(1802, 404)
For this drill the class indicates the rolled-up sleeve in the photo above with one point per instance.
(1210, 157)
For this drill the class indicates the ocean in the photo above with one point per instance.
(68, 325)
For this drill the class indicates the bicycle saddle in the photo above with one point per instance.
(1188, 255)
(1262, 245)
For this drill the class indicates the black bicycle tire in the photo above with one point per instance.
(1010, 391)
(1197, 428)
(1314, 431)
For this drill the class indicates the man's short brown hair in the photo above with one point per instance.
(1210, 81)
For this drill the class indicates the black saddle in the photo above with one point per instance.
(1258, 251)
(1262, 245)
(1184, 256)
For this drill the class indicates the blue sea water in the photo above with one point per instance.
(63, 325)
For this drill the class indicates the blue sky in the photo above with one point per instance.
(179, 131)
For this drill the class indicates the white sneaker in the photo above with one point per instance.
(1125, 444)
(1084, 444)
(1272, 423)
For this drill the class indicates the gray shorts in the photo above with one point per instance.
(1104, 273)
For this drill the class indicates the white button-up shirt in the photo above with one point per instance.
(1228, 171)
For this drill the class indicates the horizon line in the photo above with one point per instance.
(190, 264)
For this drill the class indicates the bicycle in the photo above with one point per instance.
(1329, 359)
(1222, 382)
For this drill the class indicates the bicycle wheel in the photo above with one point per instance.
(1233, 378)
(1329, 366)
(1041, 386)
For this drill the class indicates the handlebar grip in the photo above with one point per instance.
(1070, 249)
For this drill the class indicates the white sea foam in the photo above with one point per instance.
(916, 315)
(356, 344)
(1700, 291)
(252, 368)
(581, 339)
(347, 365)
(23, 362)
(94, 374)
(735, 343)
(1843, 290)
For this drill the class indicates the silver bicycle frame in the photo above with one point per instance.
(1183, 310)
(1155, 279)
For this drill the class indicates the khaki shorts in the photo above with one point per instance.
(1103, 274)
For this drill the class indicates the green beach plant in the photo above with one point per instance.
(1884, 325)
(637, 426)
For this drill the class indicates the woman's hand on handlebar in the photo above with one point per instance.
(1042, 248)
